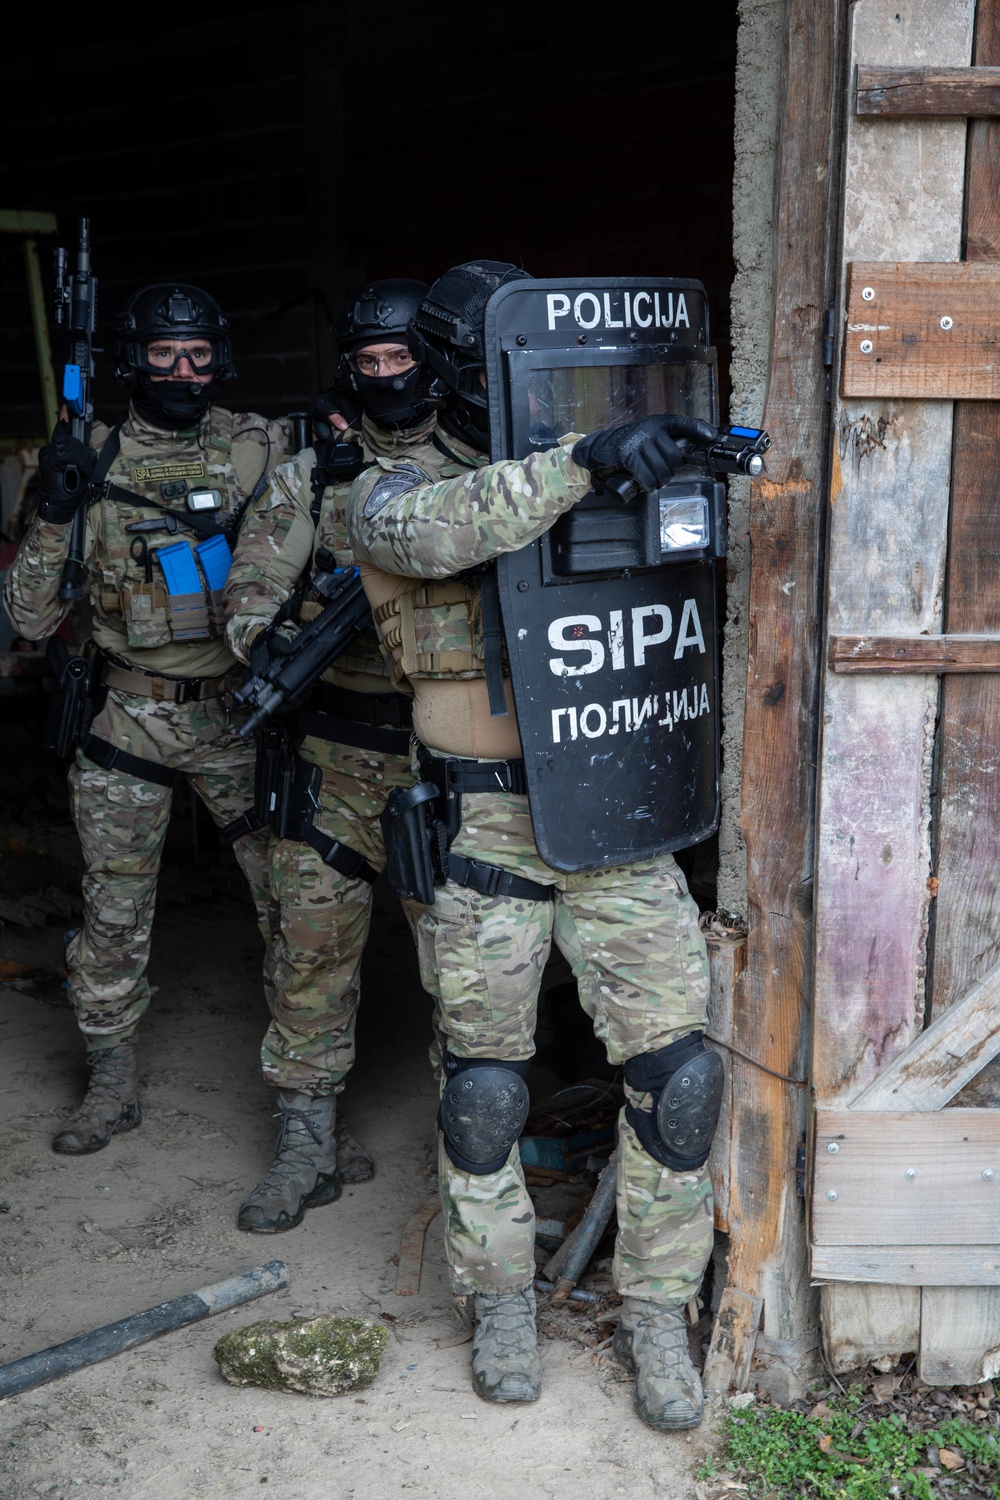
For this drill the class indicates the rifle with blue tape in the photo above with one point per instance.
(282, 670)
(75, 304)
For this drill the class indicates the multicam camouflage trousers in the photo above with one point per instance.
(309, 1046)
(631, 937)
(122, 823)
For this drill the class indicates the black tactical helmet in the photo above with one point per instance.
(447, 331)
(378, 313)
(171, 310)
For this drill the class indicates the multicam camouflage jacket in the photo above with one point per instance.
(442, 526)
(420, 535)
(135, 614)
(280, 538)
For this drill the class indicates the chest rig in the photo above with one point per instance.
(162, 565)
(339, 460)
(446, 627)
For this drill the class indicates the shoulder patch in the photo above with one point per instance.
(396, 482)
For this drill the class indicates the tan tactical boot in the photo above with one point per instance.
(304, 1172)
(110, 1105)
(652, 1341)
(505, 1363)
(354, 1163)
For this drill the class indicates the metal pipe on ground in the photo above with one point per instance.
(115, 1338)
(568, 1263)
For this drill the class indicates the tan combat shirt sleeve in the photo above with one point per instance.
(438, 530)
(274, 549)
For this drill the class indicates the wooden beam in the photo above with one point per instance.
(726, 958)
(767, 1253)
(927, 91)
(958, 1335)
(888, 521)
(966, 936)
(944, 1057)
(734, 1337)
(908, 1265)
(926, 330)
(915, 653)
(907, 1178)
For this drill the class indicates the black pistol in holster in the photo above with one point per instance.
(419, 825)
(286, 679)
(71, 707)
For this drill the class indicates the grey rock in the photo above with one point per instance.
(314, 1356)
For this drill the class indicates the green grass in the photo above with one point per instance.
(836, 1455)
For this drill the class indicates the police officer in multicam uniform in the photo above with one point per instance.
(175, 474)
(353, 748)
(630, 932)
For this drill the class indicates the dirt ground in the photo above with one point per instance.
(86, 1241)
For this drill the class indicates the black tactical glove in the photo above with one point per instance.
(340, 398)
(65, 466)
(644, 450)
(265, 649)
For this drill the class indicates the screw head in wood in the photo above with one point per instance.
(833, 1148)
(833, 1195)
(868, 293)
(947, 323)
(987, 1174)
(910, 1173)
(867, 346)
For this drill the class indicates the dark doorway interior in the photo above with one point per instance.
(280, 156)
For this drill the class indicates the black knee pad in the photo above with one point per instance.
(483, 1110)
(686, 1081)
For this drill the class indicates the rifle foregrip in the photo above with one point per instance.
(73, 577)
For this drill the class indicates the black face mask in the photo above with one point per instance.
(471, 424)
(172, 404)
(392, 400)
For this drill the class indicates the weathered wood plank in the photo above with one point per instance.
(944, 1057)
(867, 1322)
(907, 1179)
(923, 330)
(767, 1255)
(726, 958)
(915, 653)
(927, 91)
(734, 1337)
(903, 201)
(959, 1335)
(958, 1328)
(909, 1265)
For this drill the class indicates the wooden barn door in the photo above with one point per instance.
(905, 1199)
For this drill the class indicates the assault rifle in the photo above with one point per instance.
(75, 303)
(285, 680)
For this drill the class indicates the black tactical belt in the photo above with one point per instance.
(490, 880)
(111, 758)
(392, 710)
(455, 775)
(347, 732)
